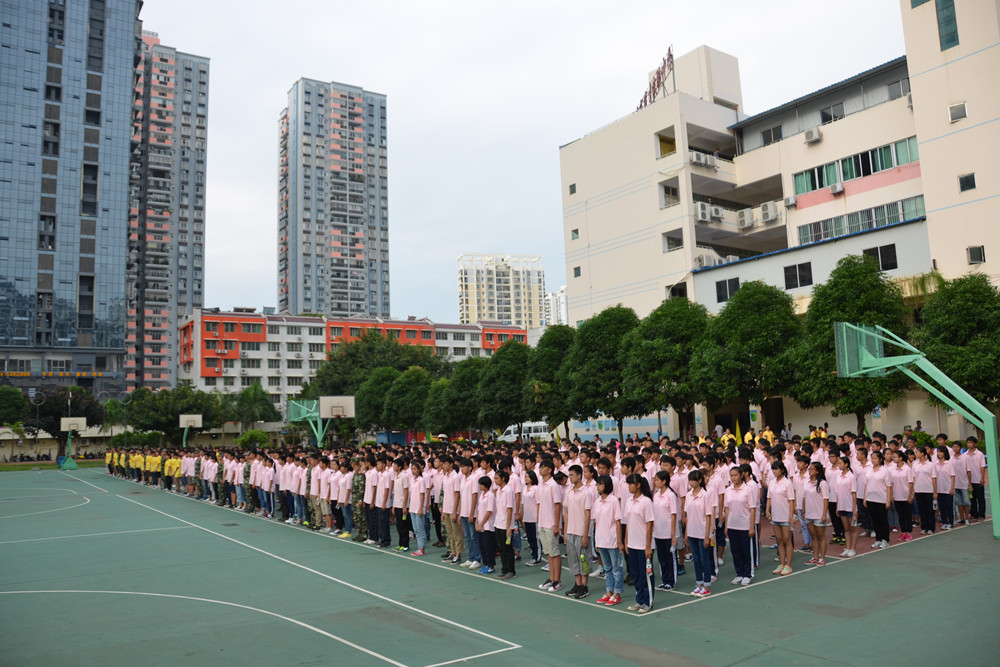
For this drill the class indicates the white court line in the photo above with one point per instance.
(82, 480)
(58, 509)
(116, 532)
(511, 645)
(227, 604)
(42, 488)
(836, 561)
(471, 657)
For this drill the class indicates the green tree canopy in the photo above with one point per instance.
(369, 401)
(545, 397)
(253, 404)
(63, 402)
(160, 410)
(657, 356)
(593, 370)
(501, 386)
(350, 364)
(857, 292)
(438, 416)
(13, 405)
(745, 353)
(462, 392)
(405, 401)
(960, 334)
(254, 438)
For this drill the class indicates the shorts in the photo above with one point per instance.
(184, 480)
(845, 514)
(781, 523)
(573, 552)
(680, 532)
(550, 544)
(962, 498)
(324, 507)
(819, 523)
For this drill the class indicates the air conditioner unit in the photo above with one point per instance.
(909, 100)
(837, 189)
(703, 261)
(298, 355)
(744, 219)
(732, 258)
(976, 254)
(703, 212)
(244, 355)
(218, 370)
(277, 354)
(243, 371)
(716, 212)
(790, 202)
(769, 211)
(698, 158)
(813, 135)
(711, 161)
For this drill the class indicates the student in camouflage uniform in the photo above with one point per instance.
(197, 476)
(359, 513)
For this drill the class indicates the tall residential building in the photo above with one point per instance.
(502, 288)
(333, 201)
(555, 307)
(66, 90)
(166, 260)
(688, 197)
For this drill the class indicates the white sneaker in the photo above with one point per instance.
(720, 560)
(745, 581)
(851, 553)
(465, 564)
(845, 553)
(370, 542)
(736, 581)
(475, 565)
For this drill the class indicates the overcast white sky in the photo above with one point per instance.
(480, 97)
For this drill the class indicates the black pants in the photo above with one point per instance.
(506, 551)
(667, 558)
(925, 503)
(740, 548)
(436, 520)
(402, 528)
(978, 509)
(373, 529)
(880, 520)
(946, 505)
(488, 547)
(836, 522)
(382, 521)
(904, 509)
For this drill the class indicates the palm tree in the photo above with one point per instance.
(253, 404)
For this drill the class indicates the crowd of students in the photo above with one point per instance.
(618, 508)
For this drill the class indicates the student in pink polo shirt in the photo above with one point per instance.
(978, 475)
(666, 507)
(638, 511)
(607, 513)
(504, 524)
(550, 499)
(816, 501)
(400, 488)
(741, 523)
(699, 510)
(485, 518)
(945, 486)
(418, 505)
(780, 513)
(529, 516)
(577, 505)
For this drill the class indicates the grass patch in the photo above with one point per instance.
(48, 465)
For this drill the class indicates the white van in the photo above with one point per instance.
(529, 431)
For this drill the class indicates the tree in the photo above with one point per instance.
(438, 416)
(254, 438)
(462, 391)
(546, 398)
(59, 403)
(857, 292)
(160, 410)
(960, 334)
(657, 357)
(501, 386)
(745, 353)
(404, 403)
(369, 400)
(13, 405)
(350, 364)
(593, 370)
(253, 404)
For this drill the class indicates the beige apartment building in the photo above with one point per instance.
(502, 288)
(689, 196)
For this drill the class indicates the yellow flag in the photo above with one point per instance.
(739, 437)
(558, 441)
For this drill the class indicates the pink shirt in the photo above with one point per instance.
(576, 502)
(449, 485)
(605, 512)
(960, 466)
(798, 483)
(739, 502)
(468, 489)
(385, 480)
(504, 502)
(487, 503)
(924, 475)
(813, 500)
(846, 485)
(550, 494)
(665, 509)
(320, 485)
(945, 477)
(697, 514)
(781, 492)
(399, 486)
(529, 504)
(901, 479)
(266, 479)
(639, 512)
(371, 483)
(976, 461)
(417, 504)
(877, 485)
(346, 479)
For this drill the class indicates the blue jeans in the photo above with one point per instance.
(531, 532)
(240, 494)
(637, 560)
(471, 539)
(702, 557)
(806, 537)
(421, 522)
(345, 510)
(614, 575)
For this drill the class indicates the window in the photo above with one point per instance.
(250, 363)
(294, 331)
(295, 363)
(572, 188)
(474, 351)
(519, 338)
(576, 271)
(957, 112)
(411, 334)
(458, 336)
(294, 381)
(672, 240)
(440, 335)
(274, 381)
(831, 113)
(725, 289)
(211, 344)
(977, 254)
(459, 351)
(574, 234)
(211, 326)
(293, 347)
(489, 338)
(230, 344)
(441, 351)
(899, 88)
(864, 220)
(274, 363)
(229, 327)
(947, 24)
(885, 255)
(503, 338)
(857, 166)
(250, 347)
(228, 382)
(315, 331)
(916, 3)
(317, 347)
(274, 347)
(209, 382)
(426, 335)
(273, 330)
(336, 332)
(355, 332)
(771, 135)
(229, 363)
(679, 291)
(798, 275)
(966, 182)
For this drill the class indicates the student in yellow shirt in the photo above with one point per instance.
(108, 456)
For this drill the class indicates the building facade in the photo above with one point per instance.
(556, 311)
(166, 260)
(695, 197)
(501, 288)
(228, 351)
(333, 205)
(66, 87)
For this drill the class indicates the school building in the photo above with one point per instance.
(696, 197)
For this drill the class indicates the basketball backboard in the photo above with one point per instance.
(72, 423)
(336, 407)
(857, 346)
(190, 421)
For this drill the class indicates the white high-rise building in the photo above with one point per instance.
(555, 307)
(502, 288)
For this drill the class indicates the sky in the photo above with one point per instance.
(480, 97)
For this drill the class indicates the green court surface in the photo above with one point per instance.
(101, 571)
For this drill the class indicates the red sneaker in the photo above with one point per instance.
(812, 561)
(418, 552)
(613, 601)
(603, 600)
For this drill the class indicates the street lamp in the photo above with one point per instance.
(125, 398)
(37, 399)
(103, 398)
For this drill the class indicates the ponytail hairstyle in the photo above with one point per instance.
(820, 473)
(642, 482)
(665, 478)
(947, 454)
(747, 471)
(503, 475)
(847, 462)
(698, 476)
(779, 465)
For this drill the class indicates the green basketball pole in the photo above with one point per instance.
(860, 353)
(68, 462)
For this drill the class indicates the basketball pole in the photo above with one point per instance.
(68, 462)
